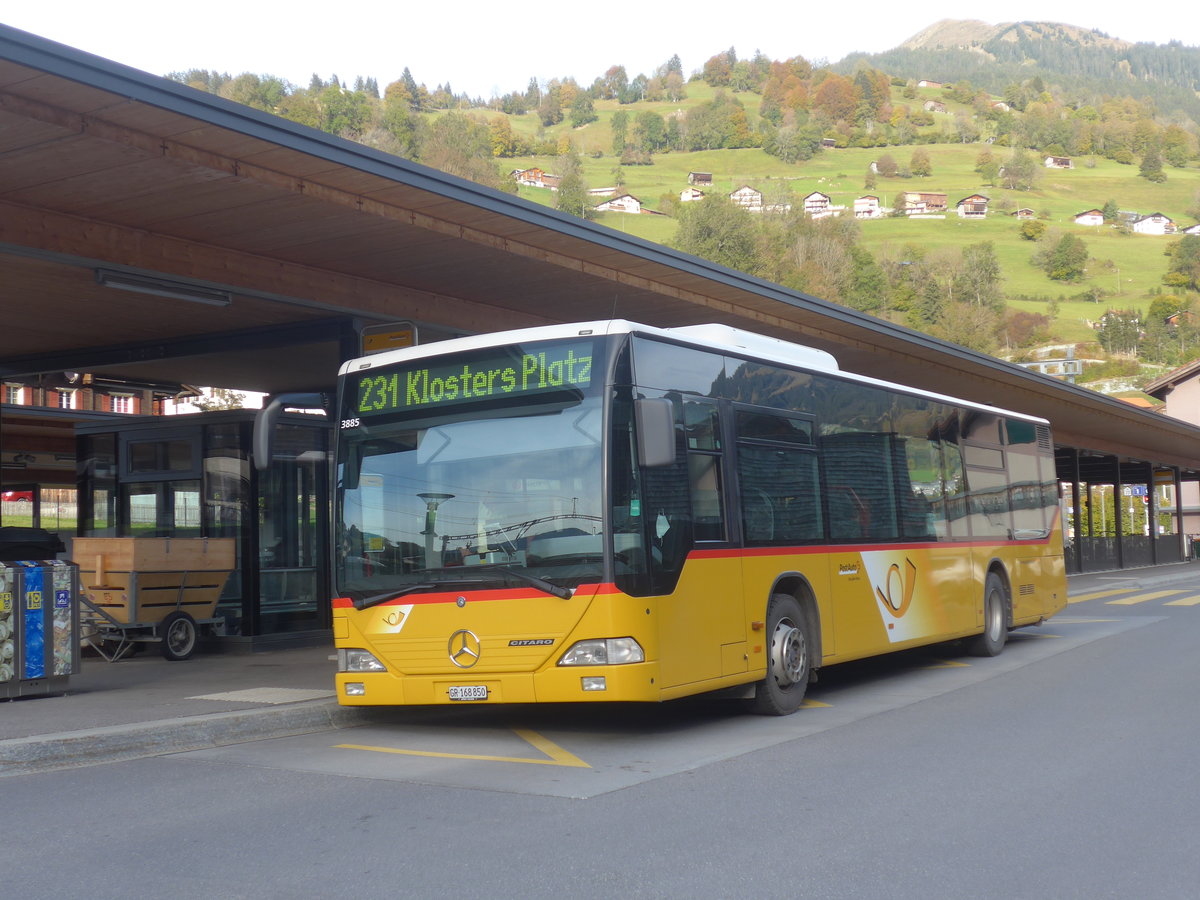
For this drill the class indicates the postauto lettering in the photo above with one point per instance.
(544, 370)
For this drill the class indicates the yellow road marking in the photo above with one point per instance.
(1142, 598)
(1097, 595)
(557, 755)
(814, 704)
(947, 664)
(1040, 635)
(1184, 601)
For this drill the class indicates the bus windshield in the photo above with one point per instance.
(496, 493)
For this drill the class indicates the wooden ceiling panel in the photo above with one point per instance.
(275, 158)
(347, 180)
(268, 226)
(86, 313)
(154, 204)
(29, 82)
(26, 172)
(13, 74)
(19, 133)
(164, 123)
(91, 193)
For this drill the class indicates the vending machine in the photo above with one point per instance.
(39, 625)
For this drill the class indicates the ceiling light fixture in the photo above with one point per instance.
(162, 287)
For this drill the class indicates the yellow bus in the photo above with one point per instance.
(613, 512)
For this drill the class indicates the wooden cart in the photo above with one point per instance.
(150, 590)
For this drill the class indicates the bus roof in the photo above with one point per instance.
(712, 336)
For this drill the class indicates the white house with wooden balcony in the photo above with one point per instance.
(922, 204)
(1155, 223)
(818, 205)
(748, 198)
(868, 207)
(973, 207)
(534, 177)
(626, 203)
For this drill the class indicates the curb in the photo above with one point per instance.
(1139, 579)
(71, 749)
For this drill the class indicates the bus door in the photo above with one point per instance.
(702, 629)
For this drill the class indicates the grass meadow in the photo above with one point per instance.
(1125, 269)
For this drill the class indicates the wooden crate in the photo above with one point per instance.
(141, 580)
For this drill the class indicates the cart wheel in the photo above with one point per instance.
(178, 632)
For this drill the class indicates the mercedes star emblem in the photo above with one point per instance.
(464, 649)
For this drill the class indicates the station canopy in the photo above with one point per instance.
(152, 231)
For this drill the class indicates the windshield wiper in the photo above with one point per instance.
(532, 580)
(366, 602)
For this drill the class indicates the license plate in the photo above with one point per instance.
(468, 692)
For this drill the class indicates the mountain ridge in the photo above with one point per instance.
(965, 34)
(1086, 65)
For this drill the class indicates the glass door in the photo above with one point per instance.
(292, 533)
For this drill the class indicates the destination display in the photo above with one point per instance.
(508, 372)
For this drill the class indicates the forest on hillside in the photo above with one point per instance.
(792, 112)
(1083, 65)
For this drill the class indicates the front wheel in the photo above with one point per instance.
(178, 636)
(995, 619)
(781, 692)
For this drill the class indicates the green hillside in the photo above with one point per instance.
(1125, 272)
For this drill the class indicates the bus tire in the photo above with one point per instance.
(995, 619)
(781, 692)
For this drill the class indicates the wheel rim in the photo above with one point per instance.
(179, 636)
(995, 614)
(788, 653)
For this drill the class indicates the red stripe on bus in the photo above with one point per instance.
(472, 596)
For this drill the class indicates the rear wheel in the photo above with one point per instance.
(995, 619)
(782, 691)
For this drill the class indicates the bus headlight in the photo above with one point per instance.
(603, 652)
(359, 661)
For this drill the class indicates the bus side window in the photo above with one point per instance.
(860, 485)
(702, 429)
(779, 488)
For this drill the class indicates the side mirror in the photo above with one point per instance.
(268, 416)
(655, 431)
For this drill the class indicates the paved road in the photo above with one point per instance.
(1063, 768)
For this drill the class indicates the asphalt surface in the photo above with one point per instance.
(145, 705)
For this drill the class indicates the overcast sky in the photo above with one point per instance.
(486, 49)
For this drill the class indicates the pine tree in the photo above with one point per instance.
(1152, 168)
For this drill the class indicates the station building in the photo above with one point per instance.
(155, 234)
